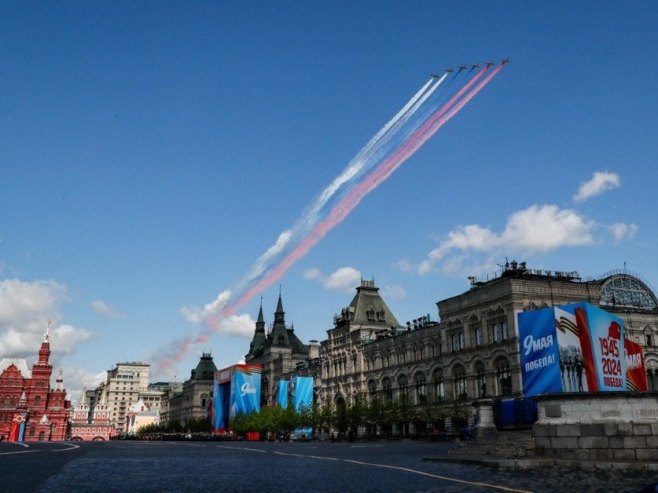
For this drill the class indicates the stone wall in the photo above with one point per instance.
(600, 427)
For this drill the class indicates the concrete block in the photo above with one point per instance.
(623, 454)
(544, 431)
(566, 443)
(641, 429)
(576, 454)
(652, 442)
(594, 430)
(610, 429)
(635, 442)
(601, 454)
(616, 442)
(593, 442)
(625, 429)
(553, 411)
(543, 442)
(654, 429)
(568, 431)
(645, 454)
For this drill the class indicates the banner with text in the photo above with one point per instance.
(573, 348)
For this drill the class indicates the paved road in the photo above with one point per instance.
(291, 467)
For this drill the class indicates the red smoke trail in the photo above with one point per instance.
(344, 206)
(381, 173)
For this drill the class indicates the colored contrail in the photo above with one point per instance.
(418, 120)
(349, 202)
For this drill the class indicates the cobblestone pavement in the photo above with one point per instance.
(290, 467)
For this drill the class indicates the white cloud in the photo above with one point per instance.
(343, 279)
(537, 229)
(238, 325)
(621, 231)
(600, 182)
(105, 310)
(313, 273)
(403, 265)
(197, 315)
(394, 292)
(25, 308)
(76, 379)
(546, 228)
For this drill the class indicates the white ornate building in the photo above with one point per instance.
(473, 351)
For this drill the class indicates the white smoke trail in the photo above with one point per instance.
(361, 162)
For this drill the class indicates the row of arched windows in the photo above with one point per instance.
(458, 385)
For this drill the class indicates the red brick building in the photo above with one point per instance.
(30, 410)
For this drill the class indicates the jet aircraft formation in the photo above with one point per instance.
(473, 67)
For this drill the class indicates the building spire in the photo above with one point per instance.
(46, 337)
(261, 319)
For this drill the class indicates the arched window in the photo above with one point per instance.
(421, 388)
(460, 382)
(439, 390)
(480, 382)
(648, 337)
(403, 387)
(37, 400)
(388, 389)
(503, 377)
(495, 332)
(372, 388)
(651, 379)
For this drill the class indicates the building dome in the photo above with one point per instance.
(623, 290)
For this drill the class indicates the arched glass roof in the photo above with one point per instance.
(626, 291)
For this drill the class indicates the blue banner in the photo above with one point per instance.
(220, 406)
(302, 395)
(245, 391)
(540, 364)
(282, 393)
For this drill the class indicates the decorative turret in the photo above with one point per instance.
(279, 336)
(258, 342)
(59, 383)
(44, 351)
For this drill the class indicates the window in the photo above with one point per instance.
(477, 335)
(421, 388)
(372, 388)
(480, 380)
(439, 390)
(460, 382)
(648, 337)
(652, 382)
(503, 328)
(503, 377)
(457, 341)
(495, 332)
(388, 390)
(403, 387)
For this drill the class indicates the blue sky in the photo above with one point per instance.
(151, 152)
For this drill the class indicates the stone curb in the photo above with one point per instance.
(532, 463)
